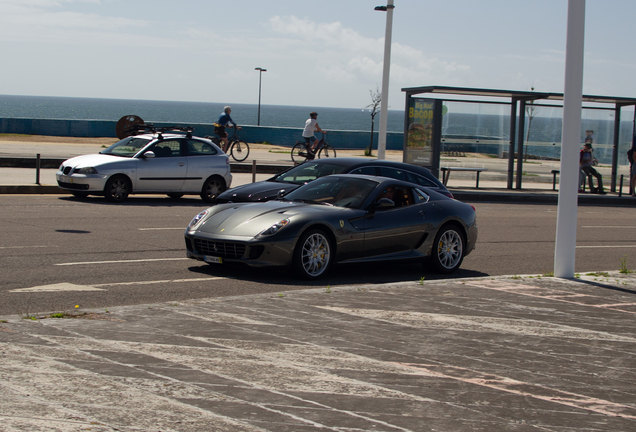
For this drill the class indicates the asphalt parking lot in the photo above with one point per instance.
(486, 354)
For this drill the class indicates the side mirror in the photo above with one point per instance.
(383, 203)
(149, 154)
(280, 194)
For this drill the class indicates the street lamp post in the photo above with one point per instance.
(260, 74)
(384, 103)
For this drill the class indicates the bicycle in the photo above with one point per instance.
(300, 151)
(237, 148)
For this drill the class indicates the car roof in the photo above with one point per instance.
(355, 162)
(381, 181)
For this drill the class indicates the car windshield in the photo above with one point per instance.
(128, 147)
(307, 172)
(339, 191)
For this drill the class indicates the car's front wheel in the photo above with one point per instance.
(117, 188)
(212, 188)
(313, 254)
(448, 249)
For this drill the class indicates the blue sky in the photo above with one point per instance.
(317, 53)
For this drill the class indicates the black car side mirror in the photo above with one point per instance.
(383, 203)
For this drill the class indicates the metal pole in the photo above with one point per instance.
(511, 144)
(384, 103)
(565, 245)
(37, 169)
(260, 76)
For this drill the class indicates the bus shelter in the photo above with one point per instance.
(427, 134)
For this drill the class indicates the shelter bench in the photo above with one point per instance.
(447, 170)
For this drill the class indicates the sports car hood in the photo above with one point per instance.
(251, 219)
(259, 191)
(93, 160)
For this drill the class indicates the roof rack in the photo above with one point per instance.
(149, 127)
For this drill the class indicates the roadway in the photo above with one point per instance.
(57, 252)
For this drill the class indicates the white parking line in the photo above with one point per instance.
(610, 246)
(159, 281)
(121, 261)
(607, 226)
(24, 247)
(159, 229)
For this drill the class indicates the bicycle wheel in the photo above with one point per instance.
(299, 153)
(239, 150)
(327, 151)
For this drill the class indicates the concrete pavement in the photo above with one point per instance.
(519, 353)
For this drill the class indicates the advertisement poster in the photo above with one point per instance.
(420, 134)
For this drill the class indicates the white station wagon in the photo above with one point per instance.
(171, 163)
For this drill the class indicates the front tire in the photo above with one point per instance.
(313, 254)
(299, 153)
(448, 249)
(212, 188)
(117, 189)
(239, 150)
(326, 152)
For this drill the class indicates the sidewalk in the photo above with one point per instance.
(271, 159)
(515, 353)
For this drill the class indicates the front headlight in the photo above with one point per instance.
(197, 219)
(275, 228)
(87, 170)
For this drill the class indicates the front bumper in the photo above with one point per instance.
(79, 182)
(229, 250)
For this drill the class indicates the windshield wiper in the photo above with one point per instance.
(306, 201)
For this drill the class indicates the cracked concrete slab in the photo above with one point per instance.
(519, 353)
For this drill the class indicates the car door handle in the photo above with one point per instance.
(181, 164)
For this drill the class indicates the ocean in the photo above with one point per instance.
(471, 130)
(185, 113)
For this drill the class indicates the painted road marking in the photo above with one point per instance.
(23, 247)
(160, 281)
(64, 286)
(121, 261)
(610, 246)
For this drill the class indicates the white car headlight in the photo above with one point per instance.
(87, 170)
(197, 219)
(275, 228)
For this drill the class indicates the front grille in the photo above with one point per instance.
(72, 185)
(219, 249)
(66, 170)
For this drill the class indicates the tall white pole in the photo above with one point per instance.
(565, 247)
(384, 103)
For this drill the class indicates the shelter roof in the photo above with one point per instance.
(513, 94)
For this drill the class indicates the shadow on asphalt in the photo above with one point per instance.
(344, 274)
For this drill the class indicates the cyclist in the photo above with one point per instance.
(222, 123)
(311, 126)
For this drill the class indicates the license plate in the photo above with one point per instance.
(212, 259)
(66, 179)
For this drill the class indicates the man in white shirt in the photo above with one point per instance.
(311, 126)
